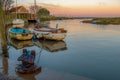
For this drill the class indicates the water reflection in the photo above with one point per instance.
(28, 76)
(21, 44)
(51, 46)
(5, 65)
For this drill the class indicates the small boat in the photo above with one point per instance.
(18, 25)
(20, 34)
(50, 33)
(32, 20)
(93, 22)
(22, 71)
(17, 21)
(28, 66)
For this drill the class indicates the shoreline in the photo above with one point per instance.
(103, 21)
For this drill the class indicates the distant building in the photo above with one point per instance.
(20, 10)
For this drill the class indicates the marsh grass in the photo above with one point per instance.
(105, 21)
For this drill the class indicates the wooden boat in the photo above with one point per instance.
(32, 20)
(51, 46)
(20, 69)
(50, 33)
(28, 66)
(20, 34)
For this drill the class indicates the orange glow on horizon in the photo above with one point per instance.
(87, 11)
(84, 10)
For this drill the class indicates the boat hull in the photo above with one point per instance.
(20, 34)
(32, 21)
(50, 35)
(21, 70)
(18, 25)
(17, 21)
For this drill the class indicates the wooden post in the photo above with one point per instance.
(3, 32)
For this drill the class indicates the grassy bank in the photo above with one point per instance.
(25, 17)
(105, 21)
(47, 18)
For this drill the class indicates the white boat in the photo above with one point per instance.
(50, 33)
(17, 21)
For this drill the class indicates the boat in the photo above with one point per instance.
(51, 46)
(21, 70)
(34, 19)
(50, 33)
(20, 34)
(17, 25)
(17, 21)
(28, 66)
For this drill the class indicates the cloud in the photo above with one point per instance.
(101, 9)
(102, 3)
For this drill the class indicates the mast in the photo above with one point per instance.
(35, 7)
(16, 9)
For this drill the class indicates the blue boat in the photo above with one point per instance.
(20, 34)
(93, 22)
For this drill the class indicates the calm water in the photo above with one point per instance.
(89, 52)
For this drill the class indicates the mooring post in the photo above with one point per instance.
(3, 31)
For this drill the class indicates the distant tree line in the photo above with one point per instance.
(43, 12)
(39, 11)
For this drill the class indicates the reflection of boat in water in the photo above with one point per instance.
(51, 46)
(20, 34)
(21, 44)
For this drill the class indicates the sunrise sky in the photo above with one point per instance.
(79, 8)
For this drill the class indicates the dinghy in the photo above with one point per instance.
(20, 34)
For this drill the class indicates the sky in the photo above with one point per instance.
(79, 8)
